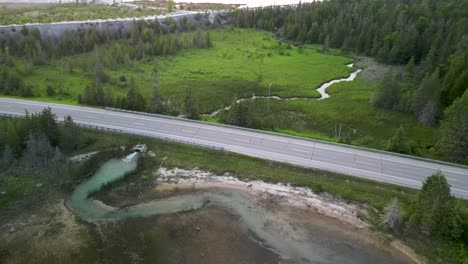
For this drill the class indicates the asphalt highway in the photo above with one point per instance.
(365, 163)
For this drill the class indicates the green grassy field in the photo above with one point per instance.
(47, 13)
(241, 63)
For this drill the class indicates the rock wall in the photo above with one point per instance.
(56, 29)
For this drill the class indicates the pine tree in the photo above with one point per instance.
(7, 158)
(169, 6)
(453, 142)
(49, 127)
(190, 107)
(429, 89)
(326, 44)
(435, 211)
(410, 68)
(70, 136)
(399, 142)
(388, 94)
(13, 139)
(156, 105)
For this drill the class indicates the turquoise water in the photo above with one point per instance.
(326, 243)
(111, 171)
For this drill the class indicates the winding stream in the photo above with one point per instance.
(321, 90)
(264, 226)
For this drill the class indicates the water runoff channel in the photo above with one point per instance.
(254, 219)
(321, 89)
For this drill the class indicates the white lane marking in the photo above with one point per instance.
(188, 130)
(308, 161)
(93, 117)
(5, 106)
(151, 119)
(242, 140)
(455, 189)
(300, 150)
(206, 126)
(139, 124)
(363, 162)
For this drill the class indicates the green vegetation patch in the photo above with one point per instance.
(12, 14)
(242, 62)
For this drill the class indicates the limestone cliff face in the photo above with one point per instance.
(56, 29)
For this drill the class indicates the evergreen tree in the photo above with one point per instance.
(410, 68)
(428, 90)
(134, 100)
(156, 105)
(13, 139)
(399, 142)
(326, 44)
(7, 157)
(70, 136)
(453, 142)
(169, 6)
(387, 95)
(435, 211)
(190, 107)
(49, 126)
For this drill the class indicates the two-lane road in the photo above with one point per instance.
(370, 164)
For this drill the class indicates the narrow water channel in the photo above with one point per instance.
(324, 243)
(322, 90)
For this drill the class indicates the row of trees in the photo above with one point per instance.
(453, 131)
(30, 44)
(36, 139)
(134, 100)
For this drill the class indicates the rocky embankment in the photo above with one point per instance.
(123, 25)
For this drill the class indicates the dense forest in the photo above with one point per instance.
(430, 37)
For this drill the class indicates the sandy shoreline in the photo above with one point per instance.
(281, 195)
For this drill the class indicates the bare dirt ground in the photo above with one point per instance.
(53, 234)
(202, 236)
(295, 211)
(375, 71)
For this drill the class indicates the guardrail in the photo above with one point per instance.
(291, 136)
(80, 124)
(128, 131)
